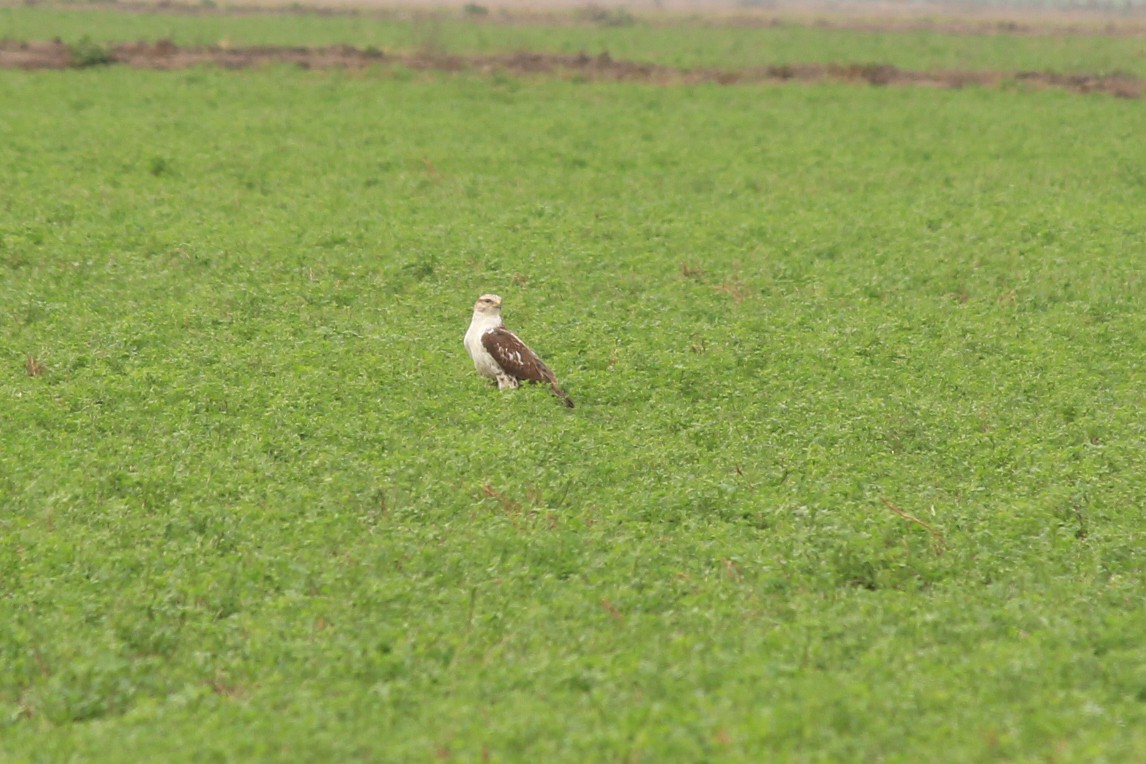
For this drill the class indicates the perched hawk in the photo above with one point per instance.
(500, 355)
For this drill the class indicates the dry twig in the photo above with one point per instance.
(938, 544)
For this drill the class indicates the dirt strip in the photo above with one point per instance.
(165, 55)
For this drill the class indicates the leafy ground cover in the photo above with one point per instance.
(855, 473)
(679, 44)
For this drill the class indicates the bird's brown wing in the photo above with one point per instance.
(515, 357)
(517, 360)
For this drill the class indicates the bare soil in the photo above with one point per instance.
(165, 55)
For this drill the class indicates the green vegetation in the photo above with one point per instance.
(86, 53)
(256, 505)
(616, 32)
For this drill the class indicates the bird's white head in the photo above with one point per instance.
(488, 305)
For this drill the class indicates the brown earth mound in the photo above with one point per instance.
(166, 55)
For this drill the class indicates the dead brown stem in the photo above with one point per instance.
(938, 544)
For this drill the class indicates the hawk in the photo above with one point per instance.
(500, 355)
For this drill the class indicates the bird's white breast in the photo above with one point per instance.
(483, 361)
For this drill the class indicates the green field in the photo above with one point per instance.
(664, 42)
(255, 504)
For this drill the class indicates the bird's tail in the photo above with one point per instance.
(561, 394)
